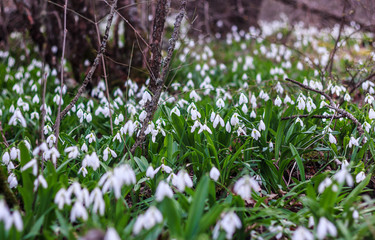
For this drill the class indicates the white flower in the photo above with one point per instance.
(253, 114)
(6, 158)
(228, 127)
(344, 175)
(229, 223)
(360, 177)
(78, 211)
(62, 197)
(12, 180)
(176, 111)
(106, 153)
(163, 190)
(13, 153)
(214, 174)
(301, 103)
(73, 152)
(325, 228)
(195, 96)
(262, 126)
(195, 114)
(310, 105)
(84, 147)
(255, 134)
(204, 127)
(91, 137)
(220, 103)
(17, 118)
(332, 139)
(121, 175)
(91, 161)
(245, 185)
(243, 99)
(147, 220)
(150, 172)
(366, 126)
(244, 108)
(40, 181)
(51, 140)
(278, 101)
(111, 234)
(142, 116)
(278, 230)
(355, 214)
(146, 97)
(32, 163)
(371, 114)
(298, 120)
(196, 124)
(17, 220)
(96, 199)
(234, 120)
(302, 233)
(353, 142)
(347, 97)
(324, 184)
(216, 119)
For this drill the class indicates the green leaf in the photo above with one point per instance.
(197, 207)
(298, 160)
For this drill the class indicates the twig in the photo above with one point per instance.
(155, 63)
(311, 116)
(57, 129)
(2, 134)
(332, 105)
(105, 79)
(94, 65)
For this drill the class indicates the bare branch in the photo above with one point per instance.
(312, 116)
(151, 106)
(94, 65)
(57, 129)
(2, 134)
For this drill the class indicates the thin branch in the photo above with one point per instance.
(2, 134)
(57, 129)
(311, 116)
(332, 105)
(94, 65)
(151, 106)
(105, 79)
(43, 108)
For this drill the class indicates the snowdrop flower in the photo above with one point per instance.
(214, 173)
(150, 172)
(234, 120)
(255, 134)
(195, 96)
(91, 137)
(204, 127)
(278, 101)
(366, 126)
(298, 120)
(163, 190)
(176, 111)
(17, 220)
(353, 142)
(229, 223)
(243, 99)
(6, 158)
(111, 234)
(371, 114)
(278, 230)
(369, 99)
(310, 105)
(147, 220)
(287, 99)
(12, 180)
(84, 147)
(347, 97)
(62, 197)
(32, 163)
(129, 128)
(244, 108)
(344, 175)
(228, 127)
(195, 114)
(146, 97)
(17, 118)
(78, 211)
(262, 126)
(220, 103)
(264, 96)
(195, 125)
(253, 114)
(34, 115)
(91, 161)
(13, 153)
(88, 117)
(51, 140)
(5, 215)
(216, 119)
(96, 199)
(121, 175)
(360, 177)
(182, 180)
(355, 214)
(325, 228)
(311, 222)
(106, 153)
(301, 103)
(40, 180)
(47, 129)
(245, 185)
(324, 184)
(332, 139)
(35, 99)
(302, 233)
(142, 116)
